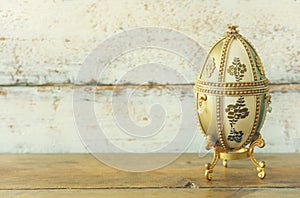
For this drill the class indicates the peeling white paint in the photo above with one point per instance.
(40, 120)
(46, 42)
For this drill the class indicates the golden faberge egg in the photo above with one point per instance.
(231, 93)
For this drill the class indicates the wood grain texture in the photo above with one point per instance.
(165, 192)
(41, 119)
(79, 175)
(47, 43)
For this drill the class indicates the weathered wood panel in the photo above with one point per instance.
(41, 119)
(47, 42)
(75, 171)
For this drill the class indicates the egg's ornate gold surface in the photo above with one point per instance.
(232, 99)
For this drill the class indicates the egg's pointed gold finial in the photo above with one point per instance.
(232, 29)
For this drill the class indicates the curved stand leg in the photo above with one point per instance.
(225, 163)
(210, 166)
(260, 166)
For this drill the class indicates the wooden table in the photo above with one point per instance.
(81, 175)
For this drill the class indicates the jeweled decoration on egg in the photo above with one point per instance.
(231, 97)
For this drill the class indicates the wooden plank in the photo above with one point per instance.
(58, 62)
(47, 43)
(82, 171)
(137, 193)
(42, 120)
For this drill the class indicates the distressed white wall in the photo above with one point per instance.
(46, 42)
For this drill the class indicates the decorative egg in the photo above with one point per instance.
(231, 95)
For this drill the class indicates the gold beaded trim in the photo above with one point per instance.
(233, 84)
(231, 92)
(255, 122)
(239, 37)
(258, 61)
(263, 116)
(215, 43)
(259, 65)
(224, 52)
(219, 122)
(219, 100)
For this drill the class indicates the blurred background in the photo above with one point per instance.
(43, 45)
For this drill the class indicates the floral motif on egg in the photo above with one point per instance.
(210, 67)
(235, 135)
(235, 112)
(237, 69)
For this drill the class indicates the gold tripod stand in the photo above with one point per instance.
(240, 154)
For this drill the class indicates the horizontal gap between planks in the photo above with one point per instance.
(283, 88)
(137, 188)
